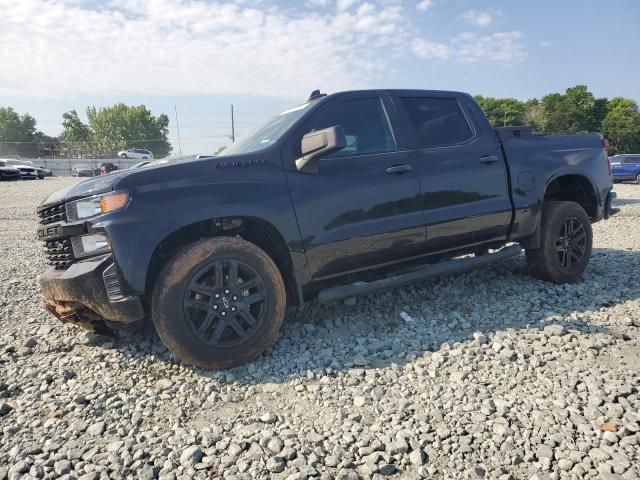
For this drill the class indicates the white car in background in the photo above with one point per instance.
(28, 169)
(136, 153)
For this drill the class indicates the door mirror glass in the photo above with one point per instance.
(317, 144)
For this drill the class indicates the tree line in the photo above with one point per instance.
(576, 110)
(107, 131)
(120, 126)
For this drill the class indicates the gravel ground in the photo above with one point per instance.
(486, 375)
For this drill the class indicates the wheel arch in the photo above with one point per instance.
(252, 229)
(573, 187)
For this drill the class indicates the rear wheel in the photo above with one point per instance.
(123, 155)
(219, 302)
(566, 241)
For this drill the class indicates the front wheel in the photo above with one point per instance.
(123, 155)
(219, 302)
(566, 241)
(638, 179)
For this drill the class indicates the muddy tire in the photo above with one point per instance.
(219, 302)
(566, 241)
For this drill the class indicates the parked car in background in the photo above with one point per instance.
(625, 167)
(136, 153)
(8, 171)
(45, 171)
(141, 164)
(106, 167)
(28, 170)
(82, 171)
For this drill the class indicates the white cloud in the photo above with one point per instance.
(345, 4)
(59, 48)
(545, 44)
(424, 5)
(477, 18)
(177, 47)
(502, 46)
(426, 49)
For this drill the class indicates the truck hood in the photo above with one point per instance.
(86, 188)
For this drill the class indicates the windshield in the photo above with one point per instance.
(268, 133)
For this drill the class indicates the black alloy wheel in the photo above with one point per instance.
(224, 303)
(572, 243)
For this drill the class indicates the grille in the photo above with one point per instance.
(53, 214)
(59, 253)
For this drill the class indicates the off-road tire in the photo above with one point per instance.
(545, 262)
(172, 318)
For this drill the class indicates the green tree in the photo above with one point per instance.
(502, 112)
(121, 127)
(17, 133)
(621, 126)
(75, 132)
(577, 110)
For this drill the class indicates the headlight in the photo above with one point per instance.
(92, 206)
(94, 244)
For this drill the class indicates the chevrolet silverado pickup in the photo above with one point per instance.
(343, 195)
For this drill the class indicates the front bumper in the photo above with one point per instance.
(87, 292)
(10, 175)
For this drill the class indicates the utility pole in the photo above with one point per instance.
(233, 127)
(175, 107)
(505, 119)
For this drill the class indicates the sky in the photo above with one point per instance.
(197, 57)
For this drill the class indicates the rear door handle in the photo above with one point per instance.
(399, 169)
(488, 159)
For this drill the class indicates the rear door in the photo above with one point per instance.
(362, 209)
(465, 192)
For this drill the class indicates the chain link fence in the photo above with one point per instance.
(61, 167)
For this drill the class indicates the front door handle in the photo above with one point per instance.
(399, 169)
(487, 159)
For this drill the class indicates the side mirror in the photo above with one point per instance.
(318, 144)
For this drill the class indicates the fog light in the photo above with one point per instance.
(87, 245)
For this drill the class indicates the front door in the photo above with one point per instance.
(362, 208)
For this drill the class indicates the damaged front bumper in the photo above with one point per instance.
(89, 292)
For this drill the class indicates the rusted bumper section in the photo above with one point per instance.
(79, 295)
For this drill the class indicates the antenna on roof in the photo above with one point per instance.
(316, 94)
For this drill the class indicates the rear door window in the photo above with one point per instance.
(437, 121)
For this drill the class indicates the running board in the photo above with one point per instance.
(429, 271)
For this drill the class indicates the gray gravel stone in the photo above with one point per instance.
(489, 371)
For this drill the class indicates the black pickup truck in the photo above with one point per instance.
(346, 194)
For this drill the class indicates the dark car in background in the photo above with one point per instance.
(8, 171)
(106, 167)
(45, 171)
(82, 171)
(625, 167)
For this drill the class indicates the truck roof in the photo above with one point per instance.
(393, 91)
